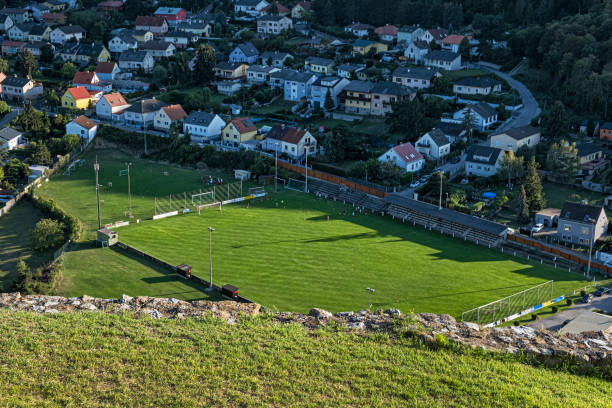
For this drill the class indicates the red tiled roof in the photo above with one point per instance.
(150, 21)
(175, 112)
(105, 67)
(17, 44)
(111, 4)
(85, 122)
(455, 39)
(286, 134)
(407, 152)
(79, 92)
(84, 78)
(53, 16)
(244, 125)
(275, 6)
(115, 99)
(386, 30)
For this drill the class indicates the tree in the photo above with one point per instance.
(511, 167)
(52, 98)
(4, 108)
(409, 117)
(562, 161)
(29, 63)
(556, 121)
(468, 123)
(68, 70)
(533, 187)
(204, 64)
(523, 207)
(41, 154)
(46, 53)
(329, 102)
(465, 49)
(15, 171)
(160, 74)
(70, 142)
(4, 66)
(335, 144)
(46, 234)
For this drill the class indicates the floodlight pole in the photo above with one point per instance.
(129, 189)
(97, 169)
(210, 231)
(440, 202)
(276, 169)
(306, 187)
(590, 251)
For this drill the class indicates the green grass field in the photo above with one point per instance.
(98, 360)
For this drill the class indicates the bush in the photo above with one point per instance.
(516, 323)
(582, 292)
(554, 309)
(441, 341)
(46, 234)
(51, 210)
(40, 281)
(534, 317)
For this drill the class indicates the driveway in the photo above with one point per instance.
(530, 108)
(15, 110)
(555, 322)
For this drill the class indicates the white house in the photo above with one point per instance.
(331, 85)
(246, 53)
(482, 161)
(203, 126)
(433, 145)
(133, 60)
(483, 115)
(10, 138)
(123, 41)
(513, 139)
(250, 7)
(107, 71)
(5, 22)
(359, 30)
(111, 106)
(258, 74)
(416, 51)
(168, 115)
(82, 126)
(418, 78)
(447, 60)
(158, 49)
(404, 156)
(483, 85)
(297, 85)
(291, 141)
(142, 113)
(409, 34)
(273, 24)
(71, 32)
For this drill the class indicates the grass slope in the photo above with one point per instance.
(93, 359)
(292, 258)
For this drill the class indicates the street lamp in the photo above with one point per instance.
(210, 231)
(97, 169)
(306, 149)
(276, 169)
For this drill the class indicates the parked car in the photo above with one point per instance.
(586, 298)
(455, 160)
(601, 291)
(537, 228)
(415, 184)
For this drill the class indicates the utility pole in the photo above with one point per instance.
(129, 190)
(306, 187)
(97, 169)
(276, 169)
(210, 231)
(440, 202)
(590, 251)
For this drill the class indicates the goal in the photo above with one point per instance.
(296, 185)
(209, 205)
(203, 198)
(256, 190)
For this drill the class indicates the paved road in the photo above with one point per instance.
(530, 108)
(10, 116)
(555, 321)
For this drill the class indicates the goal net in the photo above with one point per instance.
(296, 185)
(209, 205)
(256, 190)
(203, 198)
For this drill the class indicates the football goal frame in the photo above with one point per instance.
(210, 205)
(257, 190)
(194, 197)
(296, 185)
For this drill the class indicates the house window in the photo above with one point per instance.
(584, 231)
(567, 228)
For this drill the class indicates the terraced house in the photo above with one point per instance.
(273, 24)
(356, 97)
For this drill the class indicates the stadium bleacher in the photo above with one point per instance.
(323, 188)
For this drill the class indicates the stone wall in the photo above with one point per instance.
(588, 350)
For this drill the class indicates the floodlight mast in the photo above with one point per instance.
(97, 169)
(210, 231)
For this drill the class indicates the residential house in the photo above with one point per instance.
(483, 161)
(20, 88)
(453, 131)
(82, 126)
(229, 87)
(359, 30)
(54, 5)
(157, 25)
(181, 39)
(250, 7)
(111, 6)
(483, 115)
(111, 106)
(326, 85)
(12, 47)
(10, 138)
(385, 94)
(277, 79)
(67, 33)
(129, 85)
(158, 49)
(29, 32)
(230, 71)
(275, 58)
(363, 47)
(17, 15)
(409, 34)
(202, 29)
(294, 142)
(134, 60)
(122, 41)
(40, 32)
(418, 78)
(76, 98)
(173, 15)
(388, 32)
(258, 74)
(591, 157)
(84, 53)
(141, 114)
(434, 145)
(605, 131)
(297, 85)
(435, 34)
(483, 85)
(275, 8)
(513, 139)
(319, 65)
(581, 224)
(203, 126)
(37, 10)
(447, 60)
(416, 51)
(356, 97)
(5, 22)
(90, 81)
(140, 35)
(349, 70)
(273, 24)
(36, 47)
(107, 71)
(239, 130)
(404, 156)
(452, 42)
(246, 53)
(54, 19)
(167, 115)
(301, 10)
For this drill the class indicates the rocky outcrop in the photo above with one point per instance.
(592, 349)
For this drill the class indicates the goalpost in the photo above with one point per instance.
(206, 197)
(296, 185)
(209, 205)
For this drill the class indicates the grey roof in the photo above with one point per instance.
(415, 73)
(519, 133)
(157, 45)
(438, 137)
(25, 27)
(260, 68)
(362, 43)
(89, 49)
(442, 55)
(275, 55)
(409, 29)
(38, 29)
(248, 3)
(359, 86)
(10, 10)
(350, 67)
(483, 109)
(319, 61)
(480, 81)
(248, 49)
(272, 17)
(482, 154)
(146, 106)
(72, 29)
(8, 133)
(447, 215)
(585, 149)
(391, 88)
(133, 56)
(192, 26)
(35, 44)
(127, 37)
(228, 65)
(581, 212)
(449, 128)
(199, 118)
(588, 321)
(333, 80)
(15, 81)
(295, 76)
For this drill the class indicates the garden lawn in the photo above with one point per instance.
(557, 194)
(293, 258)
(100, 360)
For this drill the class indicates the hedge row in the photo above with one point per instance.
(51, 210)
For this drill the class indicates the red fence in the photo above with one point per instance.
(561, 252)
(334, 179)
